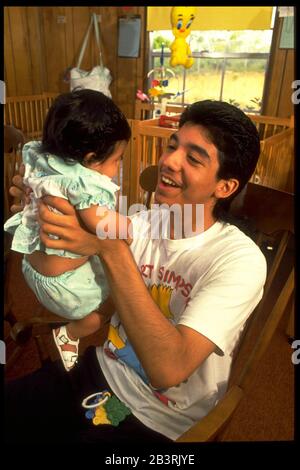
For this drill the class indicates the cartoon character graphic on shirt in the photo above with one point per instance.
(117, 345)
(161, 295)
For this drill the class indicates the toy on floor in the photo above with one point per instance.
(181, 19)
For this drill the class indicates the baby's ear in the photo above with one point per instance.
(88, 159)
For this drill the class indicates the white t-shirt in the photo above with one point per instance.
(210, 282)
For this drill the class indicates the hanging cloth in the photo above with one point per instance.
(99, 77)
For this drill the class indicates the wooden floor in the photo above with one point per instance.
(267, 414)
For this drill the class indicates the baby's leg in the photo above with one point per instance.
(67, 337)
(84, 327)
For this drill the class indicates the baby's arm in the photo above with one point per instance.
(106, 223)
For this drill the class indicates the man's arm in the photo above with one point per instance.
(169, 354)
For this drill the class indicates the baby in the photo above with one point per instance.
(84, 138)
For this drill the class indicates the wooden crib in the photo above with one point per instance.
(28, 113)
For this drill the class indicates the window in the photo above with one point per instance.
(229, 66)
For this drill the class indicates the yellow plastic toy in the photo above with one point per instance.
(181, 19)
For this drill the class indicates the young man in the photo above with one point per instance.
(177, 306)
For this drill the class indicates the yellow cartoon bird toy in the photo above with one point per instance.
(181, 19)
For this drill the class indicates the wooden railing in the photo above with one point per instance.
(144, 110)
(28, 113)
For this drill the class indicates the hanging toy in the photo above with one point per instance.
(161, 80)
(181, 19)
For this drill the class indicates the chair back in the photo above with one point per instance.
(271, 213)
(213, 425)
(148, 182)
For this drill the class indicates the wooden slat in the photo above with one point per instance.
(9, 107)
(285, 104)
(126, 167)
(55, 47)
(134, 174)
(9, 62)
(22, 115)
(141, 69)
(43, 111)
(93, 48)
(69, 41)
(156, 131)
(27, 117)
(277, 91)
(21, 51)
(33, 32)
(109, 35)
(81, 18)
(42, 96)
(31, 107)
(126, 79)
(38, 112)
(16, 115)
(153, 160)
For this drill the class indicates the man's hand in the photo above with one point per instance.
(66, 226)
(19, 191)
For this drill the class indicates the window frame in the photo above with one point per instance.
(212, 55)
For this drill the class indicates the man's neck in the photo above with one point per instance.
(193, 225)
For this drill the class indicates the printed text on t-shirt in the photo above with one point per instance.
(167, 276)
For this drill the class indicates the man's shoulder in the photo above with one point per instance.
(237, 245)
(234, 234)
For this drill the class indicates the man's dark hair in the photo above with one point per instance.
(236, 139)
(83, 121)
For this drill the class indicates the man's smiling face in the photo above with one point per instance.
(188, 169)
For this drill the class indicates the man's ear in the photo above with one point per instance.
(88, 159)
(226, 188)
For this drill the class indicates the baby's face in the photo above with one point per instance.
(110, 166)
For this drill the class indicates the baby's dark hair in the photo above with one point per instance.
(83, 121)
(236, 139)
